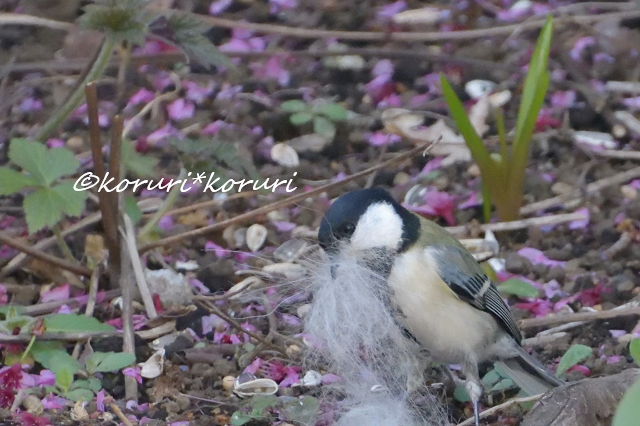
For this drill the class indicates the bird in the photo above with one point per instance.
(442, 297)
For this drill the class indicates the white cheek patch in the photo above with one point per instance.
(379, 226)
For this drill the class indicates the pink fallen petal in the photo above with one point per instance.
(291, 319)
(53, 402)
(159, 136)
(211, 322)
(4, 296)
(30, 105)
(382, 138)
(579, 46)
(55, 143)
(100, 396)
(55, 294)
(581, 368)
(538, 257)
(133, 372)
(385, 13)
(327, 379)
(474, 200)
(254, 366)
(217, 7)
(166, 223)
(581, 223)
(276, 6)
(617, 333)
(443, 204)
(142, 96)
(284, 226)
(432, 165)
(197, 93)
(180, 109)
(219, 251)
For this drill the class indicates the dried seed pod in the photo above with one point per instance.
(284, 155)
(255, 387)
(256, 236)
(228, 383)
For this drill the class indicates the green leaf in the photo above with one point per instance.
(324, 127)
(187, 33)
(491, 378)
(136, 163)
(518, 287)
(121, 20)
(300, 118)
(460, 394)
(132, 209)
(64, 377)
(55, 359)
(502, 385)
(533, 93)
(103, 362)
(74, 323)
(300, 410)
(628, 411)
(10, 311)
(45, 165)
(332, 111)
(634, 350)
(80, 394)
(45, 206)
(259, 403)
(573, 356)
(92, 384)
(12, 181)
(294, 105)
(239, 418)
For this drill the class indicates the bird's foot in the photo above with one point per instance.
(475, 392)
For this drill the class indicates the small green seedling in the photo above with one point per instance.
(574, 355)
(53, 356)
(323, 115)
(300, 410)
(628, 411)
(503, 173)
(518, 287)
(49, 199)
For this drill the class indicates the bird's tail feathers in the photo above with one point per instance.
(528, 373)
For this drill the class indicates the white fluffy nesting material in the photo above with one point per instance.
(361, 340)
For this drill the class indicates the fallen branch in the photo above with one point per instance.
(279, 204)
(52, 260)
(488, 412)
(596, 186)
(520, 224)
(578, 316)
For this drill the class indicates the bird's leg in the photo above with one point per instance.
(473, 387)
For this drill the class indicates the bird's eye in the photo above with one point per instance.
(349, 227)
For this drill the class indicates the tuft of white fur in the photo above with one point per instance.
(361, 340)
(369, 233)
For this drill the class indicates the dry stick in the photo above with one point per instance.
(128, 338)
(109, 215)
(578, 316)
(209, 203)
(91, 303)
(596, 186)
(215, 310)
(20, 19)
(63, 337)
(281, 203)
(48, 307)
(520, 224)
(409, 36)
(168, 58)
(129, 239)
(118, 412)
(506, 404)
(616, 153)
(52, 260)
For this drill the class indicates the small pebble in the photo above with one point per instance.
(629, 192)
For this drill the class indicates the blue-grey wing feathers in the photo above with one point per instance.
(460, 271)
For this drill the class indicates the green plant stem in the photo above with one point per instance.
(63, 244)
(26, 351)
(164, 208)
(486, 203)
(78, 94)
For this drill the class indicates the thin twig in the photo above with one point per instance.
(63, 337)
(596, 186)
(281, 203)
(578, 316)
(74, 302)
(210, 203)
(128, 235)
(128, 338)
(506, 404)
(22, 19)
(52, 260)
(434, 36)
(166, 205)
(91, 303)
(118, 412)
(215, 310)
(109, 215)
(616, 153)
(520, 224)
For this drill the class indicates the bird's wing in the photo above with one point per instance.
(460, 271)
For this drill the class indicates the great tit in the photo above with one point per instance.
(439, 292)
